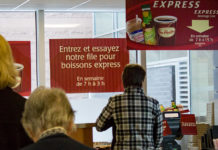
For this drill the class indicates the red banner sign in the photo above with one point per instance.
(166, 128)
(88, 65)
(172, 24)
(21, 53)
(188, 124)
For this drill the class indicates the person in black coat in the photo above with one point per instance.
(12, 134)
(48, 119)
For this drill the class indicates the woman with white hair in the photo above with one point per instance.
(12, 134)
(48, 120)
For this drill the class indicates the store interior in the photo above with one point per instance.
(189, 76)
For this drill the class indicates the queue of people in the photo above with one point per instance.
(45, 121)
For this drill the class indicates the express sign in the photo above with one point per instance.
(172, 24)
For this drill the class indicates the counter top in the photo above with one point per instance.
(85, 125)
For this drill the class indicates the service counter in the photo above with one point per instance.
(84, 133)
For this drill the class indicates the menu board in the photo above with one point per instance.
(172, 24)
(88, 65)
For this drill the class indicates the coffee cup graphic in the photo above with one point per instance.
(165, 29)
(19, 67)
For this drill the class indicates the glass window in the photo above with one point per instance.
(103, 23)
(121, 34)
(132, 56)
(121, 20)
(202, 80)
(110, 35)
(192, 73)
(109, 25)
(65, 25)
(164, 55)
(69, 25)
(20, 26)
(160, 55)
(168, 76)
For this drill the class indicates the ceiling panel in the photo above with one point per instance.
(9, 4)
(63, 5)
(104, 5)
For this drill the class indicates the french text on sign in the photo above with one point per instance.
(107, 49)
(69, 49)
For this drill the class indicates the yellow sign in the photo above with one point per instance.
(200, 25)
